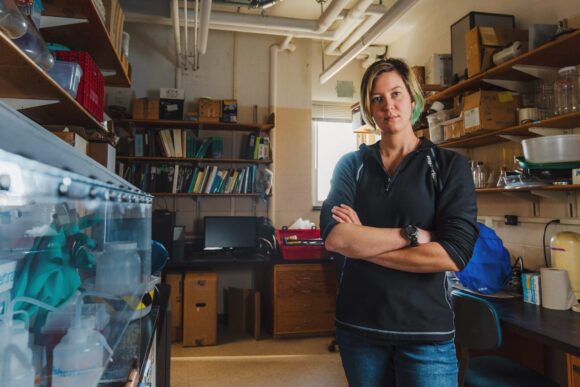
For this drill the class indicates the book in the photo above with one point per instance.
(178, 148)
(139, 145)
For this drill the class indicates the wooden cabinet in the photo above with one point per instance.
(304, 298)
(573, 371)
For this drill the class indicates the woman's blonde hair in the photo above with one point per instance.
(409, 78)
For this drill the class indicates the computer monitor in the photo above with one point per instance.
(229, 232)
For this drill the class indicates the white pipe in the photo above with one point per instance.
(353, 19)
(392, 15)
(330, 15)
(270, 22)
(274, 50)
(185, 33)
(360, 31)
(327, 36)
(204, 25)
(177, 36)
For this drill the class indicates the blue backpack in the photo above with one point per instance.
(489, 268)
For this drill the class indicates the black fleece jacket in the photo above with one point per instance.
(431, 189)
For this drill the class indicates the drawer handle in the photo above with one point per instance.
(576, 368)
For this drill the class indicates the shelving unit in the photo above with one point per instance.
(91, 36)
(196, 125)
(22, 80)
(205, 194)
(559, 53)
(193, 160)
(492, 136)
(550, 188)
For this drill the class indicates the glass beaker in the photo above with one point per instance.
(566, 90)
(545, 99)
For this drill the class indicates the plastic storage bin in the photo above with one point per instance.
(91, 90)
(435, 121)
(308, 244)
(67, 75)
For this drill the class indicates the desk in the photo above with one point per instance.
(546, 329)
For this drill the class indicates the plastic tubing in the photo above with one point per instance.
(10, 309)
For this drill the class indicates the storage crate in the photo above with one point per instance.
(91, 90)
(299, 251)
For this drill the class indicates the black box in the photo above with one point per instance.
(163, 222)
(462, 26)
(170, 109)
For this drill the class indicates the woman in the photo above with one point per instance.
(402, 212)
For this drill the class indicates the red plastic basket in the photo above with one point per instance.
(91, 90)
(299, 252)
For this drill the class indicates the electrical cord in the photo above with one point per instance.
(544, 240)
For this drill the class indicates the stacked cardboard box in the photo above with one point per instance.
(115, 19)
(175, 280)
(488, 110)
(482, 42)
(200, 309)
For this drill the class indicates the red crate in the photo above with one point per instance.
(299, 252)
(91, 91)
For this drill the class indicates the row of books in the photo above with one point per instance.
(258, 147)
(175, 178)
(174, 143)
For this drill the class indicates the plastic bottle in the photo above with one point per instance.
(119, 269)
(16, 368)
(78, 359)
(12, 22)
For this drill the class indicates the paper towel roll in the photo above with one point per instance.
(556, 289)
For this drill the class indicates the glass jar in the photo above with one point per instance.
(566, 90)
(545, 99)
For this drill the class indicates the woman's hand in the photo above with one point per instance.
(345, 214)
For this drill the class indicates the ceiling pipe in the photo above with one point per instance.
(330, 15)
(274, 50)
(360, 31)
(390, 17)
(353, 19)
(204, 25)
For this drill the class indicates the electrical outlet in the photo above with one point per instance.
(511, 220)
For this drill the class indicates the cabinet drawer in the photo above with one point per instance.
(573, 371)
(301, 322)
(306, 302)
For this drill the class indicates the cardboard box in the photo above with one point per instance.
(453, 128)
(200, 309)
(531, 288)
(152, 109)
(209, 110)
(104, 153)
(482, 42)
(489, 110)
(229, 110)
(175, 280)
(139, 108)
(237, 306)
(74, 139)
(438, 70)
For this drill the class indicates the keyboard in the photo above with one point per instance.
(209, 254)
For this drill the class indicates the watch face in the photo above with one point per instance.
(410, 229)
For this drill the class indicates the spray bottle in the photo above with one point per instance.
(16, 367)
(78, 360)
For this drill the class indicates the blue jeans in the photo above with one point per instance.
(368, 364)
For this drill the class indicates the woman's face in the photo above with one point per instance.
(391, 104)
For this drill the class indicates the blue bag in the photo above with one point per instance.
(489, 269)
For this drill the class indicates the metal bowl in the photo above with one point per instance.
(562, 148)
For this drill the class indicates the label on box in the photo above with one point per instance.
(171, 107)
(505, 96)
(171, 93)
(471, 118)
(576, 176)
(7, 273)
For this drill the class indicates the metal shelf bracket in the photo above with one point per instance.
(26, 103)
(57, 21)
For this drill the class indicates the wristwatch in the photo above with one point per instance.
(412, 234)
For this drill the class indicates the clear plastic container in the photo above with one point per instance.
(435, 121)
(12, 22)
(544, 99)
(119, 269)
(67, 75)
(16, 368)
(566, 90)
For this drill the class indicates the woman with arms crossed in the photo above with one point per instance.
(402, 212)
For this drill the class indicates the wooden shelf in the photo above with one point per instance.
(22, 78)
(200, 194)
(192, 159)
(91, 37)
(559, 53)
(196, 125)
(570, 187)
(569, 120)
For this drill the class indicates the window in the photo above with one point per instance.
(333, 137)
